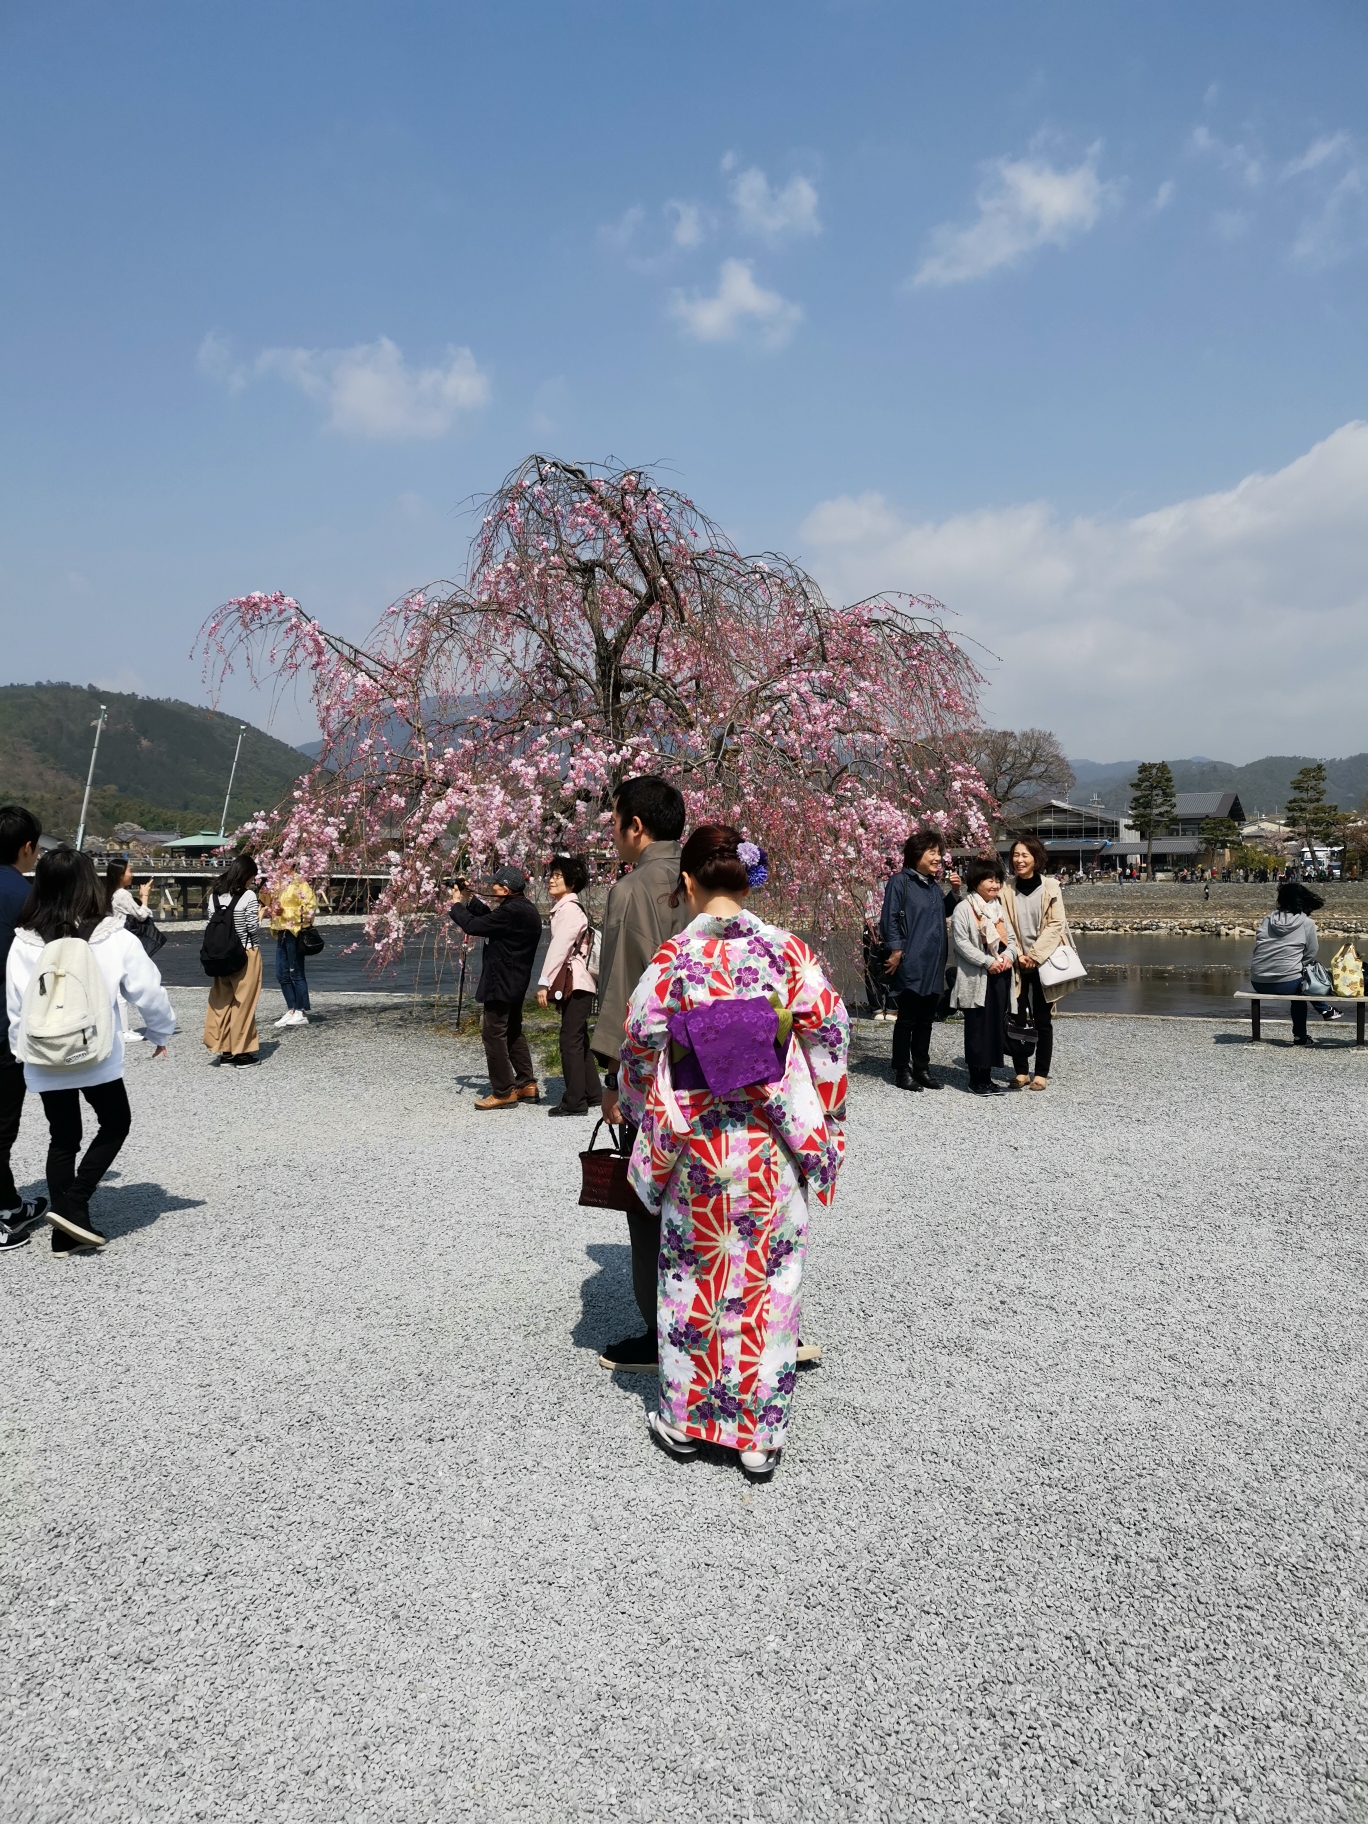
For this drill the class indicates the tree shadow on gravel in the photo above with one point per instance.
(122, 1209)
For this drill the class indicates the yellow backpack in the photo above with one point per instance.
(1346, 971)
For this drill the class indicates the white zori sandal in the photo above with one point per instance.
(673, 1442)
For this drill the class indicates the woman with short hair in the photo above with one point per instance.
(734, 1067)
(230, 1028)
(1034, 905)
(985, 953)
(571, 939)
(1285, 943)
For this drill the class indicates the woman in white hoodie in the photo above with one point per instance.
(66, 901)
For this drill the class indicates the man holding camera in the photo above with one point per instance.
(511, 929)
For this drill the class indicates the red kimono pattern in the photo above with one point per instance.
(733, 1191)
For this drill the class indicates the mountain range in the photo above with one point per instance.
(1263, 784)
(162, 763)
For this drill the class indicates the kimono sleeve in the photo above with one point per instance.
(821, 1026)
(653, 1000)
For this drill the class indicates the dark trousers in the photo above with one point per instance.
(508, 1057)
(290, 972)
(582, 1089)
(11, 1108)
(912, 1030)
(69, 1188)
(1292, 989)
(1031, 1003)
(985, 1028)
(643, 1230)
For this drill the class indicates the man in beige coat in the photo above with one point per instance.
(648, 821)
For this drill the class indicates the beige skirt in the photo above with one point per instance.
(230, 1022)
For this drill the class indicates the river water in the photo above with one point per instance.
(1139, 973)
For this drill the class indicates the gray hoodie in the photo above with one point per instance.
(1285, 941)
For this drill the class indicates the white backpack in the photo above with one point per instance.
(66, 1020)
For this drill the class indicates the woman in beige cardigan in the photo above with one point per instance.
(1035, 910)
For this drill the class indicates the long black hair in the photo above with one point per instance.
(238, 875)
(114, 873)
(66, 895)
(1294, 897)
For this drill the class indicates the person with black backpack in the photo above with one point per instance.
(67, 967)
(229, 953)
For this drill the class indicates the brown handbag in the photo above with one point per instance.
(564, 984)
(604, 1184)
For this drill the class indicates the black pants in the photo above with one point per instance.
(912, 1031)
(582, 1088)
(507, 1055)
(11, 1108)
(1031, 1001)
(643, 1229)
(985, 1028)
(69, 1188)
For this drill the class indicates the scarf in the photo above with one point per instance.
(987, 912)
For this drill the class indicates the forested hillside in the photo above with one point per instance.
(162, 763)
(1262, 784)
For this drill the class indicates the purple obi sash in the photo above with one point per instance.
(728, 1046)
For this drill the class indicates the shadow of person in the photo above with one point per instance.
(608, 1310)
(122, 1209)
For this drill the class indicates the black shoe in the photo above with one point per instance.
(62, 1243)
(563, 1108)
(903, 1079)
(925, 1080)
(1304, 1038)
(76, 1228)
(1332, 1013)
(16, 1228)
(989, 1089)
(245, 1057)
(633, 1355)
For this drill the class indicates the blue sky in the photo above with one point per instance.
(1055, 313)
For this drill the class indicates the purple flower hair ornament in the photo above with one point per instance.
(755, 861)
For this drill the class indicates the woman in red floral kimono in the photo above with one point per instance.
(734, 1067)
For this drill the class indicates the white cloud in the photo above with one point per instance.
(1162, 197)
(368, 391)
(689, 228)
(1023, 204)
(1319, 152)
(1230, 623)
(738, 301)
(620, 234)
(1237, 158)
(772, 214)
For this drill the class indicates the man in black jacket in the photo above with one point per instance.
(511, 929)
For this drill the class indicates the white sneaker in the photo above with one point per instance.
(134, 1037)
(286, 1019)
(299, 1018)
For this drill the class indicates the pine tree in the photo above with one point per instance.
(1152, 805)
(1307, 811)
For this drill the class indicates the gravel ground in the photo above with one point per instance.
(316, 1505)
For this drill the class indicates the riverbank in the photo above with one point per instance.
(316, 1502)
(1234, 909)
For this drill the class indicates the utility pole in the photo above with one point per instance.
(85, 802)
(223, 821)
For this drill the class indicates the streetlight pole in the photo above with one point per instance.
(85, 802)
(223, 821)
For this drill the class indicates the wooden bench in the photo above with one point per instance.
(1349, 1000)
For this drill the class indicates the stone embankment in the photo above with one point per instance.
(1177, 908)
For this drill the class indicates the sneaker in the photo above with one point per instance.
(633, 1355)
(134, 1038)
(299, 1017)
(79, 1228)
(493, 1101)
(1332, 1013)
(17, 1226)
(287, 1018)
(245, 1057)
(1303, 1038)
(68, 1244)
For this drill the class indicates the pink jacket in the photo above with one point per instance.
(568, 922)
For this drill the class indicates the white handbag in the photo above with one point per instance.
(1063, 964)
